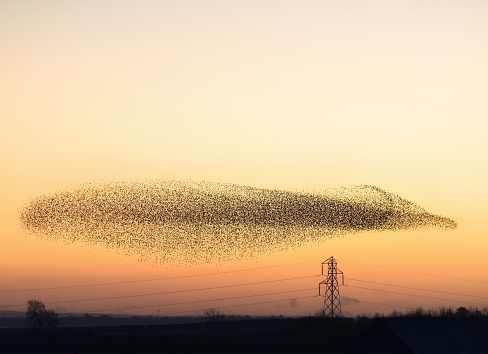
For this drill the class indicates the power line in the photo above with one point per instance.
(242, 305)
(155, 279)
(269, 281)
(200, 301)
(411, 271)
(382, 304)
(226, 272)
(412, 288)
(428, 297)
(253, 283)
(258, 303)
(176, 291)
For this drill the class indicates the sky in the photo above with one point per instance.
(290, 95)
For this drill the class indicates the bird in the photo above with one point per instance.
(188, 221)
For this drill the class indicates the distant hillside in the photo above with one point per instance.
(11, 314)
(16, 319)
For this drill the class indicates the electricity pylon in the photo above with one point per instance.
(332, 300)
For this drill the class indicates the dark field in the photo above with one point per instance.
(272, 335)
(278, 335)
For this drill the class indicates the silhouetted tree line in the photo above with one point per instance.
(443, 312)
(473, 314)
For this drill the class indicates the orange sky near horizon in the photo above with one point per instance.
(297, 95)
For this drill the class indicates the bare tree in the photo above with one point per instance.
(39, 316)
(213, 315)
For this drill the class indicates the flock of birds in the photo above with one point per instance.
(182, 221)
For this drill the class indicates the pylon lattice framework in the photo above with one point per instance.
(332, 300)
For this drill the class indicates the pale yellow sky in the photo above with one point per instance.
(275, 94)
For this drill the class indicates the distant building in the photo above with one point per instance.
(428, 336)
